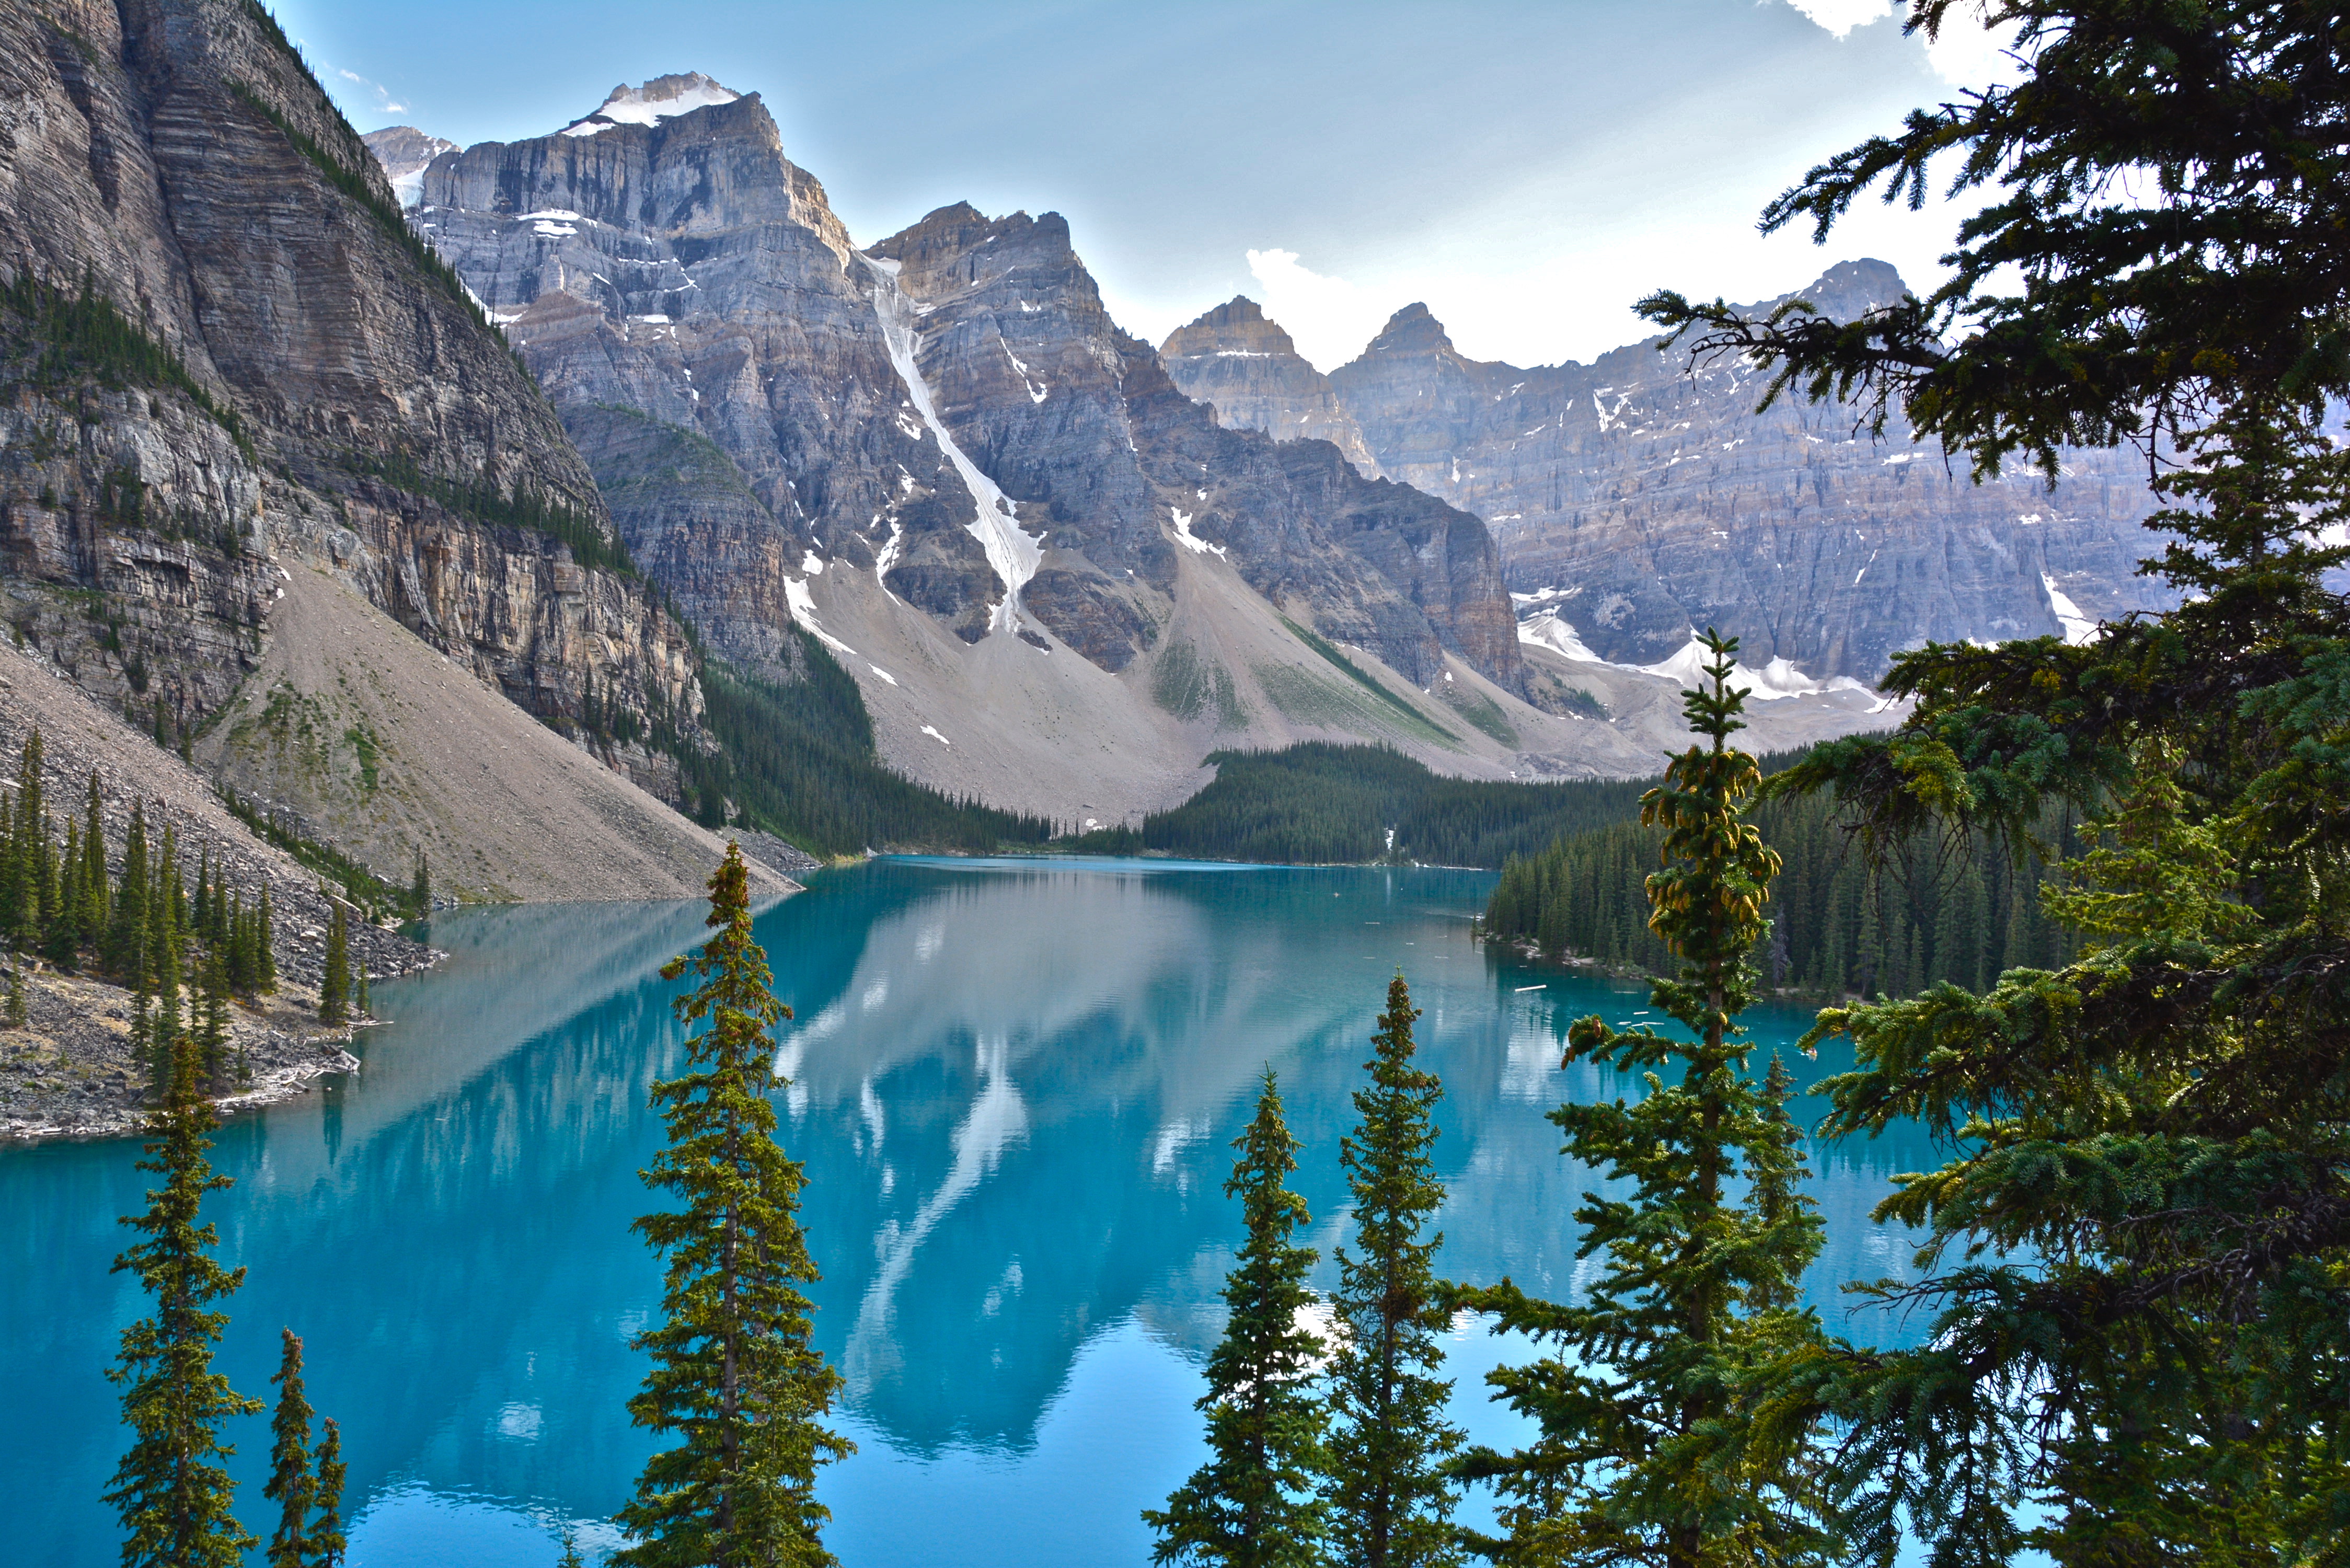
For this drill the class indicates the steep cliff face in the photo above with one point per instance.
(1113, 471)
(221, 342)
(672, 261)
(1636, 502)
(1247, 367)
(405, 153)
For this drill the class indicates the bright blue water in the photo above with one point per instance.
(1014, 1087)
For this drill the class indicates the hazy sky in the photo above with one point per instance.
(1528, 170)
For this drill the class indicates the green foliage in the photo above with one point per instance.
(2156, 1131)
(335, 981)
(1657, 1444)
(291, 1486)
(1254, 1503)
(1962, 908)
(85, 335)
(734, 1371)
(798, 761)
(592, 543)
(1388, 1491)
(1318, 804)
(324, 1547)
(354, 184)
(2165, 186)
(1400, 711)
(371, 893)
(173, 1488)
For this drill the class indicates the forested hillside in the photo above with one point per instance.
(1964, 911)
(1319, 804)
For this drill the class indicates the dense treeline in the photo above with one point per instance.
(1964, 911)
(798, 761)
(84, 334)
(1318, 804)
(184, 953)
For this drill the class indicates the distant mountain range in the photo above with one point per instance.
(1634, 500)
(1060, 580)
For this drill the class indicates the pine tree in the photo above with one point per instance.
(291, 1485)
(63, 943)
(326, 1544)
(1653, 1447)
(127, 930)
(1254, 1503)
(264, 946)
(213, 1031)
(734, 1371)
(419, 886)
(335, 984)
(571, 1558)
(17, 1011)
(172, 1488)
(20, 893)
(1390, 1499)
(94, 892)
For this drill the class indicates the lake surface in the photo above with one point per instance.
(1013, 1085)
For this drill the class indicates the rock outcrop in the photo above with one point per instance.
(221, 343)
(405, 153)
(1634, 501)
(1245, 366)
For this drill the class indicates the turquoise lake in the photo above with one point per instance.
(1013, 1085)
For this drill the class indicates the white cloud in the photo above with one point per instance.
(1329, 318)
(1969, 54)
(384, 102)
(1841, 16)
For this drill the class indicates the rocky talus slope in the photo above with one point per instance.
(223, 352)
(1245, 367)
(73, 1069)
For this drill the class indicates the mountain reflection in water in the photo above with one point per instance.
(1013, 1085)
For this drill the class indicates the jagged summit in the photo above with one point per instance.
(405, 153)
(664, 98)
(1237, 327)
(1414, 330)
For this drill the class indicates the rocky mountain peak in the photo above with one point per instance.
(405, 153)
(1237, 327)
(663, 97)
(1850, 289)
(1239, 362)
(1411, 330)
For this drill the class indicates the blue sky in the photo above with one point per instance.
(1527, 170)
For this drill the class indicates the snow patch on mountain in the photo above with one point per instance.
(664, 98)
(1011, 551)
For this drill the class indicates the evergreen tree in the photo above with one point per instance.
(1254, 1503)
(571, 1558)
(64, 939)
(1653, 1448)
(172, 1488)
(1389, 1497)
(326, 1545)
(213, 1030)
(17, 1011)
(419, 886)
(335, 984)
(291, 1485)
(167, 1020)
(734, 1371)
(20, 892)
(94, 892)
(264, 946)
(126, 939)
(2151, 1120)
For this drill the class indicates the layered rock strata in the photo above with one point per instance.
(952, 410)
(221, 342)
(1636, 499)
(1248, 369)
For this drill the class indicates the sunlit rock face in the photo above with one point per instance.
(1636, 501)
(343, 401)
(1247, 369)
(952, 409)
